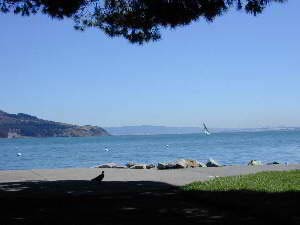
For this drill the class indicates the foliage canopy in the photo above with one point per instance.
(138, 21)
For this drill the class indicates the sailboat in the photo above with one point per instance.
(206, 131)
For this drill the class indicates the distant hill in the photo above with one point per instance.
(152, 130)
(23, 125)
(155, 130)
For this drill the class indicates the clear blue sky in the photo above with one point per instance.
(240, 71)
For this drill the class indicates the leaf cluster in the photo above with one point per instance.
(138, 21)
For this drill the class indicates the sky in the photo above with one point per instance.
(238, 72)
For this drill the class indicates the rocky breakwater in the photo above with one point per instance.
(187, 163)
(111, 165)
(129, 165)
(178, 164)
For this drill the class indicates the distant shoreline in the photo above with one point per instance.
(160, 130)
(157, 134)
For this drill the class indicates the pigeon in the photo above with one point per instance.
(99, 178)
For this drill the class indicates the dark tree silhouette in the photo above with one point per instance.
(138, 21)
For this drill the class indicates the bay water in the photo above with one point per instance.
(229, 148)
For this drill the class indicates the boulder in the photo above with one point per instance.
(191, 163)
(254, 163)
(186, 163)
(202, 164)
(107, 165)
(111, 165)
(150, 166)
(170, 165)
(138, 166)
(273, 163)
(162, 166)
(212, 163)
(130, 164)
(179, 164)
(120, 167)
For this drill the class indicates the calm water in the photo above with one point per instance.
(227, 148)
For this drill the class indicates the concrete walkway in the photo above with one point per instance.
(174, 177)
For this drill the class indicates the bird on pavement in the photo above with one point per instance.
(99, 178)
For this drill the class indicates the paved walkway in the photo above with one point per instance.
(173, 177)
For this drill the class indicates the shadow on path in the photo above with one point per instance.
(140, 202)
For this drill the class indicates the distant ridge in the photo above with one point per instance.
(151, 130)
(24, 125)
(156, 130)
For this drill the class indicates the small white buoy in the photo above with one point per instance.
(19, 154)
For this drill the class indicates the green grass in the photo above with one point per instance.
(271, 182)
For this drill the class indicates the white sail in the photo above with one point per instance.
(206, 131)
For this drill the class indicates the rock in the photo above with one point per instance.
(107, 165)
(179, 164)
(138, 166)
(212, 163)
(120, 167)
(150, 166)
(185, 163)
(201, 164)
(162, 166)
(273, 163)
(170, 165)
(254, 163)
(130, 164)
(111, 165)
(191, 163)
